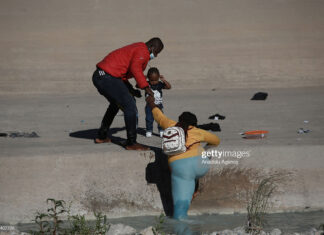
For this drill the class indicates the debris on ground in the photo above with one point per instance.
(217, 117)
(24, 134)
(260, 96)
(256, 134)
(212, 126)
(302, 131)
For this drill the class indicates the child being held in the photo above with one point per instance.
(157, 82)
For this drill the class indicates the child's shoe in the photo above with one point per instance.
(148, 134)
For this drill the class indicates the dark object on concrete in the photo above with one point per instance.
(302, 131)
(3, 134)
(212, 126)
(260, 96)
(152, 173)
(92, 133)
(217, 117)
(158, 172)
(24, 134)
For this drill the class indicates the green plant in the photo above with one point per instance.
(43, 224)
(158, 228)
(77, 223)
(101, 223)
(54, 212)
(259, 200)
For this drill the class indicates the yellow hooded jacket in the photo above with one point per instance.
(194, 136)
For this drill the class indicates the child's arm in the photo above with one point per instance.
(167, 84)
(159, 117)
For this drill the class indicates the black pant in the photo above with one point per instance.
(117, 93)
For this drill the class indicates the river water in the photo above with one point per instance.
(286, 222)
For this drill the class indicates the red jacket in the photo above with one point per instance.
(127, 62)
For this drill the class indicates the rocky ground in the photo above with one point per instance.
(121, 229)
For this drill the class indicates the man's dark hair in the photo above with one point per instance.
(156, 43)
(151, 71)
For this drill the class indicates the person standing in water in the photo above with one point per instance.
(186, 168)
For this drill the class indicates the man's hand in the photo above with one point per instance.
(134, 92)
(150, 101)
(137, 93)
(149, 91)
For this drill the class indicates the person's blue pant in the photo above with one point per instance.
(184, 173)
(150, 119)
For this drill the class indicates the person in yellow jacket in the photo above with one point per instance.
(186, 167)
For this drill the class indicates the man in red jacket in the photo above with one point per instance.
(111, 80)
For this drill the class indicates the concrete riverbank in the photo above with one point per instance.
(64, 163)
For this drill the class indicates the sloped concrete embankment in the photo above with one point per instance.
(116, 183)
(299, 179)
(112, 182)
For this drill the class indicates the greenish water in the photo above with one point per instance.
(286, 222)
